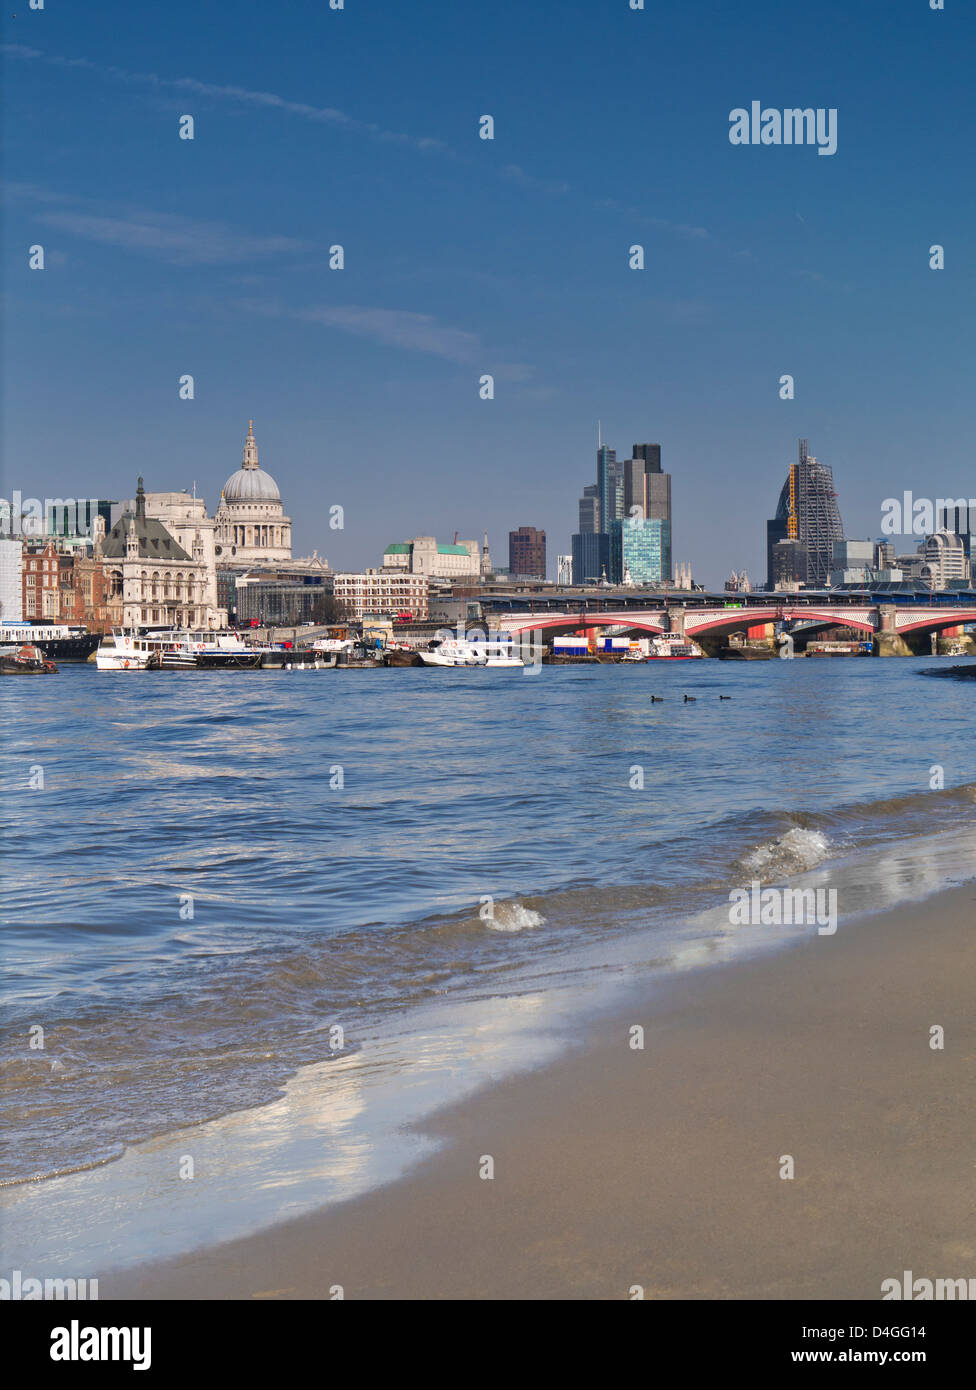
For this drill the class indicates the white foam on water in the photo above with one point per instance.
(795, 852)
(513, 917)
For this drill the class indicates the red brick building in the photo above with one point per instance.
(40, 576)
(89, 592)
(527, 552)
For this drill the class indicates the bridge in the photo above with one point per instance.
(720, 621)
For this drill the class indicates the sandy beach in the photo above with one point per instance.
(660, 1167)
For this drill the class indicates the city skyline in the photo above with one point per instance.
(627, 487)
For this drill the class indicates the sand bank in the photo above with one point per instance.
(661, 1167)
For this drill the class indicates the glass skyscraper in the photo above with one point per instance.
(640, 552)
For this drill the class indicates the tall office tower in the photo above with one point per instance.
(589, 511)
(591, 557)
(775, 535)
(527, 552)
(609, 483)
(651, 456)
(635, 491)
(648, 488)
(788, 564)
(618, 490)
(806, 513)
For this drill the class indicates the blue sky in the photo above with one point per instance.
(463, 256)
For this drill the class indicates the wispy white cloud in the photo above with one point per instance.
(179, 240)
(327, 115)
(399, 328)
(391, 327)
(515, 174)
(662, 224)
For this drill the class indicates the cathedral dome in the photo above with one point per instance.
(250, 483)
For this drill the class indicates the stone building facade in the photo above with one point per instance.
(251, 526)
(152, 580)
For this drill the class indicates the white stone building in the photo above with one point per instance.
(945, 559)
(423, 555)
(251, 526)
(185, 518)
(11, 580)
(153, 580)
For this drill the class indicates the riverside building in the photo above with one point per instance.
(152, 580)
(382, 591)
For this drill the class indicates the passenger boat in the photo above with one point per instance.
(856, 648)
(128, 651)
(26, 660)
(497, 651)
(179, 650)
(672, 647)
(58, 641)
(219, 650)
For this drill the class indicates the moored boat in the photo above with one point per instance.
(57, 641)
(855, 648)
(401, 656)
(497, 651)
(127, 651)
(673, 647)
(26, 660)
(746, 651)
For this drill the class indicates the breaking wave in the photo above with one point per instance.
(513, 917)
(793, 853)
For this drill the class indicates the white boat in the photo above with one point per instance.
(126, 651)
(220, 649)
(334, 644)
(454, 652)
(672, 647)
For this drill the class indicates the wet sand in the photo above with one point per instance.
(660, 1167)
